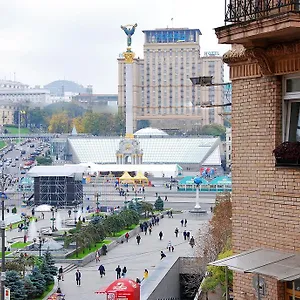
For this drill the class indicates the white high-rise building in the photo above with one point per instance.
(164, 94)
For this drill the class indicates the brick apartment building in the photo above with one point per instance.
(265, 72)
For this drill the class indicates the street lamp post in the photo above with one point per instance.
(97, 201)
(40, 245)
(197, 181)
(5, 181)
(53, 218)
(75, 212)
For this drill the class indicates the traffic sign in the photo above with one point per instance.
(6, 293)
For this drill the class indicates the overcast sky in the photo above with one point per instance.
(46, 40)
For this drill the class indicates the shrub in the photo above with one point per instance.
(159, 204)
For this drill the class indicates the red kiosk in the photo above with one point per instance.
(123, 288)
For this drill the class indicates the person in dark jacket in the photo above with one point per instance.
(118, 270)
(78, 277)
(138, 239)
(124, 271)
(160, 235)
(101, 270)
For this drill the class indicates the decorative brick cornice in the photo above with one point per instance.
(277, 59)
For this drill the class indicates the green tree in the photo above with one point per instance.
(45, 270)
(29, 288)
(217, 275)
(132, 206)
(37, 117)
(120, 123)
(43, 161)
(14, 265)
(38, 281)
(214, 129)
(59, 123)
(130, 217)
(90, 122)
(16, 285)
(113, 224)
(159, 204)
(146, 208)
(50, 262)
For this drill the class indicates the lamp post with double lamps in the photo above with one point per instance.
(53, 218)
(97, 201)
(40, 245)
(4, 183)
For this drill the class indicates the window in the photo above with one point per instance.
(291, 109)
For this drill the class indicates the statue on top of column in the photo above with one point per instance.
(129, 30)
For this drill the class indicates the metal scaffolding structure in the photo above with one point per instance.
(59, 191)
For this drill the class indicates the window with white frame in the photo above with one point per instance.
(291, 109)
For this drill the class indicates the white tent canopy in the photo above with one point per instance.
(43, 208)
(156, 170)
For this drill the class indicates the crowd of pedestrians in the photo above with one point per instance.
(145, 227)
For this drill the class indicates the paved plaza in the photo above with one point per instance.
(135, 257)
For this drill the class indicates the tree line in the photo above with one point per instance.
(28, 277)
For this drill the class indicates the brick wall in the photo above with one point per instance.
(266, 200)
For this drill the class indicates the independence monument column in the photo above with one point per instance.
(129, 148)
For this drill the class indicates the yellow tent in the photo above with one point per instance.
(140, 177)
(126, 178)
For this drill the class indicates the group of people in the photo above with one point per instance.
(121, 272)
(186, 234)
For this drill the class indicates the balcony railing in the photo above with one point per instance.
(237, 11)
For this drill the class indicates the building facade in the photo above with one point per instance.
(164, 94)
(14, 95)
(265, 72)
(98, 103)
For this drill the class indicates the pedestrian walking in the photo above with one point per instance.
(171, 214)
(160, 235)
(188, 235)
(127, 236)
(192, 242)
(162, 255)
(78, 277)
(176, 232)
(97, 256)
(150, 230)
(146, 274)
(43, 216)
(124, 271)
(145, 229)
(182, 221)
(169, 247)
(61, 273)
(101, 270)
(185, 222)
(166, 198)
(118, 270)
(10, 227)
(184, 235)
(138, 239)
(69, 213)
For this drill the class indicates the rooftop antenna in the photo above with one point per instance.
(172, 19)
(14, 76)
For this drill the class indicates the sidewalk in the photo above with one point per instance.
(135, 257)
